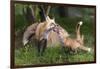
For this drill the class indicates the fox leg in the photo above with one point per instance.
(72, 50)
(43, 44)
(38, 47)
(64, 49)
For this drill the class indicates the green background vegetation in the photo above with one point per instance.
(28, 55)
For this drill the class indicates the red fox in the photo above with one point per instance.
(37, 30)
(73, 44)
(42, 32)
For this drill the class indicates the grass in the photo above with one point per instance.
(28, 56)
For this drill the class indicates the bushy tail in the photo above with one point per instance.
(78, 35)
(85, 48)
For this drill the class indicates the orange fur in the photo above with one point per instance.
(75, 43)
(39, 31)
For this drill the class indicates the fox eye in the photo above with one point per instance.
(52, 24)
(57, 24)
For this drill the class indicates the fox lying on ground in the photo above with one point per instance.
(73, 44)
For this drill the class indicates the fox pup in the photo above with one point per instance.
(71, 43)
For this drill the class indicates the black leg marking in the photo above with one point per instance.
(64, 50)
(43, 43)
(38, 47)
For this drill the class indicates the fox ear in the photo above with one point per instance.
(47, 18)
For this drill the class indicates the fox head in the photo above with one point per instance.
(50, 23)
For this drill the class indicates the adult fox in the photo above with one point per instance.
(42, 32)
